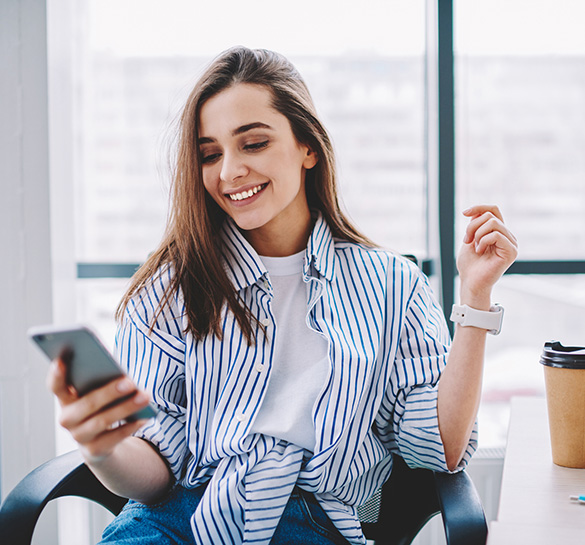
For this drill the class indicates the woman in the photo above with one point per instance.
(287, 354)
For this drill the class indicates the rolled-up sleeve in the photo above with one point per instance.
(155, 360)
(412, 426)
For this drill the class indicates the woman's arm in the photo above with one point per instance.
(489, 248)
(127, 465)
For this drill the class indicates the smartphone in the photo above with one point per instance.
(89, 363)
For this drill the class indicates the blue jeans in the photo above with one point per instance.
(168, 522)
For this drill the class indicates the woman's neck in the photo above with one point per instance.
(276, 240)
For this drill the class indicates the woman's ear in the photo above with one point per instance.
(311, 159)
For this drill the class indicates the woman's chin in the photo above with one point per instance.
(249, 222)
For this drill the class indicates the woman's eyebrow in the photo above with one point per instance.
(250, 126)
(236, 132)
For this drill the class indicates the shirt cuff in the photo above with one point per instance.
(419, 438)
(167, 434)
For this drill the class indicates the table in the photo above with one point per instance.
(534, 499)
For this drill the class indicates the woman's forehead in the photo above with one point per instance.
(240, 105)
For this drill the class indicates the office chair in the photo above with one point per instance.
(393, 516)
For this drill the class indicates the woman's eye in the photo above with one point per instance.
(256, 146)
(210, 158)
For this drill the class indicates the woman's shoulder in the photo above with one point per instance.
(156, 282)
(378, 255)
(159, 299)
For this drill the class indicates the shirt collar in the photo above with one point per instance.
(321, 250)
(244, 267)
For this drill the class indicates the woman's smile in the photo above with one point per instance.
(246, 194)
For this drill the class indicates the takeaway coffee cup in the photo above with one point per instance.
(564, 376)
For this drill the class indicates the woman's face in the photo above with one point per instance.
(254, 168)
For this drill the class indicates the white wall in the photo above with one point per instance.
(27, 436)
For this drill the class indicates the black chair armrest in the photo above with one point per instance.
(411, 497)
(461, 508)
(65, 475)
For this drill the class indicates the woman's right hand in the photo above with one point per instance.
(96, 422)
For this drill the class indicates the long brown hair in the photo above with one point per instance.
(191, 244)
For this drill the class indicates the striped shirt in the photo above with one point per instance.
(388, 343)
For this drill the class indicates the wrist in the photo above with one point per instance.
(478, 299)
(92, 459)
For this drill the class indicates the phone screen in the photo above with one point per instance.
(89, 363)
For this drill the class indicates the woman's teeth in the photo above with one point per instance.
(245, 194)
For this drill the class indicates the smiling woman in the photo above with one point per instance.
(280, 345)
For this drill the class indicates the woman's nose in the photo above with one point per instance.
(233, 167)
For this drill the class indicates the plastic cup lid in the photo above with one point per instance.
(555, 354)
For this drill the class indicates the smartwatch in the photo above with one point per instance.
(470, 317)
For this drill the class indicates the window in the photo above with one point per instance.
(520, 107)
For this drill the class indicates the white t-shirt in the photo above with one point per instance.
(301, 362)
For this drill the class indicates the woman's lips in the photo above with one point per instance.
(247, 194)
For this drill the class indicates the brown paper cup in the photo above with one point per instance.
(564, 374)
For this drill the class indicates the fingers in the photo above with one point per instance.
(104, 406)
(498, 244)
(486, 219)
(98, 449)
(105, 422)
(480, 209)
(97, 421)
(57, 383)
(98, 425)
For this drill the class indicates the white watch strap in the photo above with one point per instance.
(471, 317)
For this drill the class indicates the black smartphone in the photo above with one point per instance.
(89, 363)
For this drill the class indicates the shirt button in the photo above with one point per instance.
(265, 322)
(260, 367)
(240, 417)
(266, 284)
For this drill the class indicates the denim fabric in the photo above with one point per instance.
(168, 522)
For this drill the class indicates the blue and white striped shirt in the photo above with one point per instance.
(388, 343)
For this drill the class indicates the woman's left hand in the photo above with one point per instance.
(489, 248)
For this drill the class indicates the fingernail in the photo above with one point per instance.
(124, 386)
(140, 398)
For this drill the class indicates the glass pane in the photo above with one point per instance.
(363, 63)
(520, 103)
(520, 110)
(96, 303)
